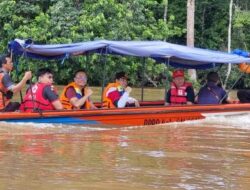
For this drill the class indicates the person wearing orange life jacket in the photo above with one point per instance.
(76, 95)
(180, 92)
(41, 95)
(7, 87)
(116, 95)
(244, 94)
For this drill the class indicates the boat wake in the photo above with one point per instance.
(47, 127)
(228, 120)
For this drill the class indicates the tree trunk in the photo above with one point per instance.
(190, 32)
(203, 24)
(165, 2)
(229, 68)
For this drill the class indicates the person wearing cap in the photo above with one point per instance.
(76, 95)
(180, 92)
(211, 93)
(116, 95)
(41, 95)
(7, 87)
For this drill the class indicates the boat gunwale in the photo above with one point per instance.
(172, 109)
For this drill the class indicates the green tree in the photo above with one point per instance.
(67, 21)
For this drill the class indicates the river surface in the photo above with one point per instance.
(208, 154)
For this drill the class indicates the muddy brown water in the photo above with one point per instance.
(213, 153)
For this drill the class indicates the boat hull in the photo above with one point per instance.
(146, 115)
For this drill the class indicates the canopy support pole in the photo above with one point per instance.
(87, 61)
(218, 71)
(166, 76)
(104, 61)
(143, 78)
(242, 74)
(31, 91)
(15, 60)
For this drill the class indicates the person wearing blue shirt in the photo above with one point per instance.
(212, 93)
(244, 96)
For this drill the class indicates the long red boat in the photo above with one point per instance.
(150, 113)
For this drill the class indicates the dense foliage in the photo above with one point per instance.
(66, 21)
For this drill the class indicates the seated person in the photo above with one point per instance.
(180, 92)
(76, 95)
(7, 87)
(211, 93)
(116, 95)
(42, 96)
(244, 96)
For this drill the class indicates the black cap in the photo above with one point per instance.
(121, 75)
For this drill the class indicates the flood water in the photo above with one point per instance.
(208, 154)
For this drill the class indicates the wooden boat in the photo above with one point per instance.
(150, 113)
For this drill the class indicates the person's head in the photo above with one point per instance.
(178, 77)
(45, 75)
(122, 79)
(80, 78)
(6, 62)
(213, 77)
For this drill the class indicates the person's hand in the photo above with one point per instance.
(27, 75)
(137, 103)
(89, 92)
(128, 89)
(94, 107)
(232, 101)
(166, 104)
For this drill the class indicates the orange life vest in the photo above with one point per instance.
(179, 95)
(4, 101)
(244, 67)
(79, 92)
(107, 102)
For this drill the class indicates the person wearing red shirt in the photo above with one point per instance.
(116, 95)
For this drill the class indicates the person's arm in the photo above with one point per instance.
(132, 100)
(77, 103)
(190, 95)
(49, 94)
(167, 98)
(225, 99)
(20, 85)
(57, 104)
(92, 105)
(124, 98)
(117, 99)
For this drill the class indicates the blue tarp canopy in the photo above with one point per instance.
(176, 55)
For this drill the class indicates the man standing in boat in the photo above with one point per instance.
(76, 95)
(7, 87)
(116, 95)
(180, 92)
(42, 95)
